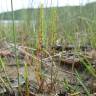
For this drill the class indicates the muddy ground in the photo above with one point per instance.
(60, 66)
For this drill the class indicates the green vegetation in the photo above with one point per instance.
(69, 19)
(38, 31)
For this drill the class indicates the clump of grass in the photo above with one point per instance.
(7, 78)
(81, 82)
(38, 64)
(88, 66)
(53, 26)
(67, 86)
(26, 79)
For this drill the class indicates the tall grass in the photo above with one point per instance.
(8, 81)
(80, 81)
(26, 80)
(14, 40)
(41, 27)
(53, 26)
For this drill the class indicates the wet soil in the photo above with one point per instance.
(61, 70)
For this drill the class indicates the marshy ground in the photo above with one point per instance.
(49, 52)
(63, 71)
